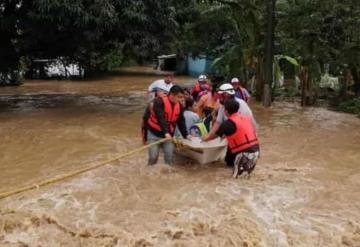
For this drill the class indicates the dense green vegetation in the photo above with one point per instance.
(318, 34)
(101, 35)
(350, 106)
(98, 35)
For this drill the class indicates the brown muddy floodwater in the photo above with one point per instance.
(304, 192)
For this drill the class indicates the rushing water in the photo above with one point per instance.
(304, 191)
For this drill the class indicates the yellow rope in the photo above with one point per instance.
(181, 145)
(77, 172)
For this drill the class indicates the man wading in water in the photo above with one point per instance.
(158, 92)
(240, 133)
(165, 84)
(165, 114)
(226, 92)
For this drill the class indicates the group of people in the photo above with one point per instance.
(206, 112)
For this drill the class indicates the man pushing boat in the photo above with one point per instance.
(239, 128)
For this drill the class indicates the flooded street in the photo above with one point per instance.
(304, 191)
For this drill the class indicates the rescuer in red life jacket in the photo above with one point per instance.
(158, 92)
(201, 85)
(240, 133)
(165, 113)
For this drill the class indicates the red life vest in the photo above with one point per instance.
(196, 88)
(245, 135)
(171, 114)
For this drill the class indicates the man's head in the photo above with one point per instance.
(226, 91)
(202, 79)
(176, 94)
(231, 107)
(235, 82)
(169, 78)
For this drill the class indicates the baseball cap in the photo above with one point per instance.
(235, 80)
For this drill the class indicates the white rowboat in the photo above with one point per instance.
(202, 152)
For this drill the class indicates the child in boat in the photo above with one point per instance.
(203, 127)
(190, 115)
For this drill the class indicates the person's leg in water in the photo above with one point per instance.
(153, 150)
(229, 158)
(245, 162)
(168, 148)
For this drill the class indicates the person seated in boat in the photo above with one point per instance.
(201, 85)
(158, 92)
(202, 128)
(190, 115)
(187, 93)
(211, 119)
(241, 136)
(165, 113)
(207, 103)
(240, 91)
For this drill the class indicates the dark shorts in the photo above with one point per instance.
(245, 162)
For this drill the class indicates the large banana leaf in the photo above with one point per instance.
(291, 60)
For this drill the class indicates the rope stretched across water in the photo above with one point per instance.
(77, 172)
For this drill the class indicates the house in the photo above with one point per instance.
(190, 65)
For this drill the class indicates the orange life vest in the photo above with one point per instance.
(245, 135)
(171, 114)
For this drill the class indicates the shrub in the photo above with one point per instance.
(350, 106)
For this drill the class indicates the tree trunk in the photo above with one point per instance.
(305, 86)
(345, 84)
(259, 78)
(267, 95)
(269, 52)
(356, 77)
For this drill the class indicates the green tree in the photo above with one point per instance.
(239, 43)
(229, 31)
(314, 32)
(98, 35)
(318, 33)
(11, 12)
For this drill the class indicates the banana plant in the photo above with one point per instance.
(242, 48)
(276, 67)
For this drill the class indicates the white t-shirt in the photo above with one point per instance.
(243, 109)
(161, 84)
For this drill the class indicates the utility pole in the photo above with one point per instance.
(269, 52)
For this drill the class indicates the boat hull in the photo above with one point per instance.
(202, 152)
